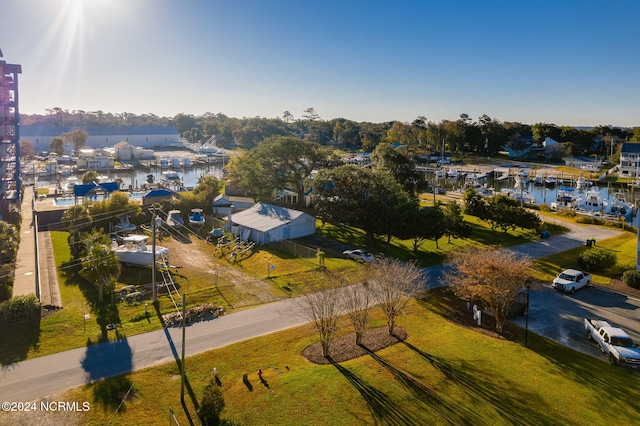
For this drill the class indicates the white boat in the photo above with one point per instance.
(123, 225)
(523, 177)
(566, 199)
(620, 206)
(550, 180)
(581, 182)
(485, 190)
(186, 162)
(474, 180)
(593, 201)
(164, 163)
(440, 173)
(135, 251)
(170, 175)
(175, 163)
(519, 195)
(453, 173)
(174, 218)
(538, 180)
(49, 170)
(196, 218)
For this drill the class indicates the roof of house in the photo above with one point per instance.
(86, 189)
(265, 217)
(227, 200)
(159, 193)
(631, 147)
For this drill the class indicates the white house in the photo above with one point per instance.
(266, 223)
(95, 159)
(630, 160)
(124, 151)
(224, 204)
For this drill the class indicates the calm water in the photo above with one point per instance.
(541, 194)
(136, 178)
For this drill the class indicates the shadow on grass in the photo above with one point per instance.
(504, 396)
(16, 340)
(247, 383)
(618, 383)
(176, 356)
(381, 406)
(430, 397)
(113, 393)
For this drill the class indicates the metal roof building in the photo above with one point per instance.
(266, 223)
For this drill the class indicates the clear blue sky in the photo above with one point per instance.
(568, 62)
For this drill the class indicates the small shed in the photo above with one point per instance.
(225, 204)
(266, 223)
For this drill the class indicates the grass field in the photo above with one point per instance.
(268, 274)
(442, 374)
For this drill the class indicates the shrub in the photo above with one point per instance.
(20, 308)
(632, 278)
(589, 220)
(596, 259)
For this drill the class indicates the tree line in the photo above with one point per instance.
(485, 135)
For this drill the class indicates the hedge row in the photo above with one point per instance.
(20, 308)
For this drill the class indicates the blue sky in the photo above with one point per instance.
(572, 62)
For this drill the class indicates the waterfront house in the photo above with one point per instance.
(630, 160)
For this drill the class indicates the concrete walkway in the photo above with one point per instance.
(35, 261)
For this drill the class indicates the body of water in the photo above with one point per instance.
(541, 193)
(135, 178)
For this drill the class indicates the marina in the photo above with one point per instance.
(558, 191)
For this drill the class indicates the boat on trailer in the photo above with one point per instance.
(196, 218)
(123, 225)
(174, 218)
(134, 250)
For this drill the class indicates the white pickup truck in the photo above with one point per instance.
(571, 280)
(614, 342)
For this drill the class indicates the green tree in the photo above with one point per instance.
(356, 196)
(76, 219)
(89, 177)
(280, 162)
(454, 223)
(474, 203)
(101, 268)
(57, 146)
(399, 165)
(9, 240)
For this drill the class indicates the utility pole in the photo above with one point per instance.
(154, 290)
(184, 332)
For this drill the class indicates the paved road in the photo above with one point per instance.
(40, 377)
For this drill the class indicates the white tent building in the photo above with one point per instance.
(266, 223)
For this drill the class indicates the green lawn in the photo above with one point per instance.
(431, 253)
(442, 374)
(624, 245)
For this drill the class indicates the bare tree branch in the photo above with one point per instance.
(394, 283)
